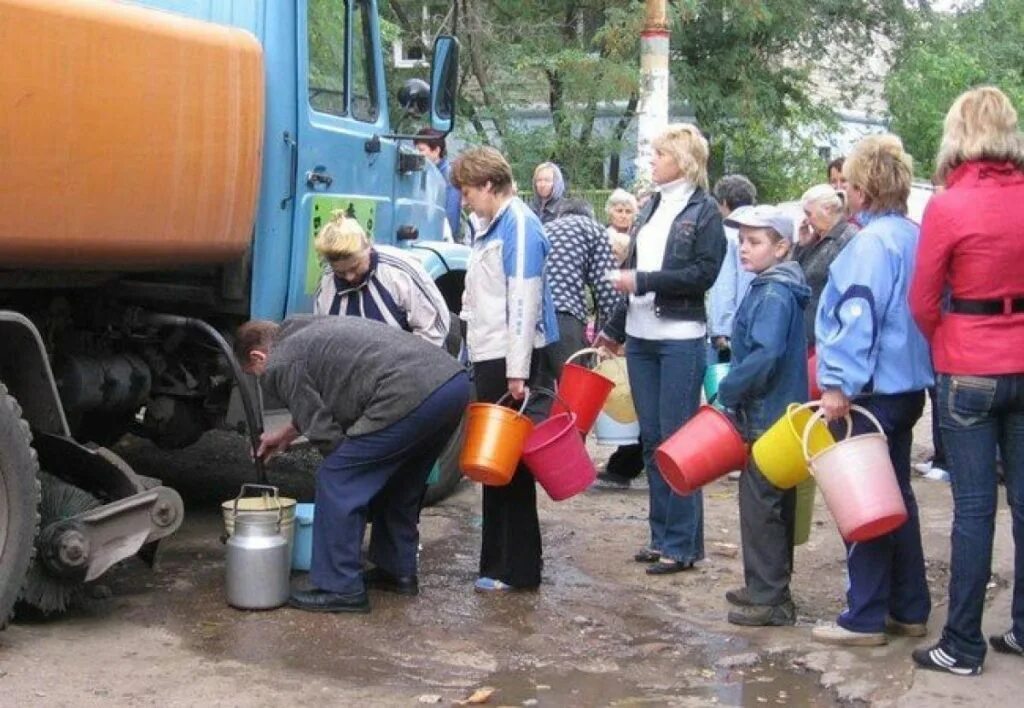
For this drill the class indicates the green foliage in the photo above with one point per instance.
(947, 55)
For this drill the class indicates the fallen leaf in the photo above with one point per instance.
(480, 695)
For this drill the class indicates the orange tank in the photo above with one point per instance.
(129, 138)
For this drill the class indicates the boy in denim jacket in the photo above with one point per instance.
(769, 371)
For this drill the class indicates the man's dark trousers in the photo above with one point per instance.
(390, 468)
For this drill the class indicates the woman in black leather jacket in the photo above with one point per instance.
(675, 253)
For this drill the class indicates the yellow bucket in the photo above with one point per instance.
(778, 452)
(619, 404)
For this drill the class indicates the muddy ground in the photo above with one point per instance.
(600, 632)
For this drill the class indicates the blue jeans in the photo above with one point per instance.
(382, 475)
(977, 414)
(666, 376)
(887, 573)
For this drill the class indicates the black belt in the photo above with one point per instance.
(987, 307)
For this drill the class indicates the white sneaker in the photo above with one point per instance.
(936, 474)
(923, 468)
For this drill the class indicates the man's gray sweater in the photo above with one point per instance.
(347, 376)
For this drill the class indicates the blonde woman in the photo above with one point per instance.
(868, 346)
(377, 282)
(673, 258)
(972, 242)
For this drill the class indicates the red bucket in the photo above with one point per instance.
(581, 391)
(557, 456)
(812, 378)
(705, 448)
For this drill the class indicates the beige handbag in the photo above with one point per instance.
(619, 405)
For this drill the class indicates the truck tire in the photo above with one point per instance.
(451, 475)
(448, 462)
(19, 502)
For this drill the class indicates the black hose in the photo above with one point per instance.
(254, 425)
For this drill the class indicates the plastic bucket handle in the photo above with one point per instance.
(526, 399)
(265, 488)
(588, 350)
(554, 395)
(794, 407)
(820, 413)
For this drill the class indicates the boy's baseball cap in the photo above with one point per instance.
(762, 216)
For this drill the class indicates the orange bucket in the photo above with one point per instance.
(581, 391)
(495, 437)
(706, 447)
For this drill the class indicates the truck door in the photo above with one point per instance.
(341, 106)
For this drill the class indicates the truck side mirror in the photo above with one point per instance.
(444, 83)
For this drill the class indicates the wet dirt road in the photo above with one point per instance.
(600, 632)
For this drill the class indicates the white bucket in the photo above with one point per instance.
(608, 431)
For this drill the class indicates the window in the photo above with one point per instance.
(327, 61)
(326, 37)
(364, 79)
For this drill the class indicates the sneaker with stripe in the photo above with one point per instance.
(938, 659)
(1006, 644)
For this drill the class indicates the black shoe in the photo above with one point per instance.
(646, 555)
(612, 481)
(739, 597)
(323, 601)
(1006, 644)
(938, 659)
(382, 580)
(668, 568)
(783, 615)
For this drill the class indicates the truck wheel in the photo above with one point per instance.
(450, 475)
(19, 502)
(448, 462)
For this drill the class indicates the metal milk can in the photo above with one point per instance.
(258, 563)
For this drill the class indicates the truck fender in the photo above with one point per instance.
(26, 370)
(441, 257)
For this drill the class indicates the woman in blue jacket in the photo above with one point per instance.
(869, 347)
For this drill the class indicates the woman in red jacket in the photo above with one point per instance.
(972, 240)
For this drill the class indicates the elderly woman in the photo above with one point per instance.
(673, 259)
(548, 191)
(868, 346)
(621, 209)
(972, 241)
(380, 283)
(823, 234)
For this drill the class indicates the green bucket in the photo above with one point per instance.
(804, 511)
(713, 376)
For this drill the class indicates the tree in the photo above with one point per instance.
(944, 56)
(743, 67)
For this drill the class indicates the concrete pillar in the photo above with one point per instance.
(652, 110)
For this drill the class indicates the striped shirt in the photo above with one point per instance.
(396, 291)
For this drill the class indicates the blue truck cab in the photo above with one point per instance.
(328, 145)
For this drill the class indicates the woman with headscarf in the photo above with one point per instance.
(548, 191)
(972, 242)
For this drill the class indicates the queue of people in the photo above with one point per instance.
(889, 308)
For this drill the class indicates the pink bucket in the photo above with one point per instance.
(858, 482)
(556, 455)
